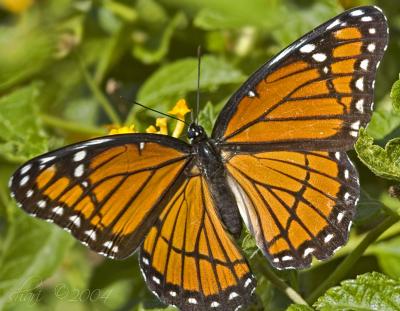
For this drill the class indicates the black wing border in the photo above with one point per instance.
(112, 141)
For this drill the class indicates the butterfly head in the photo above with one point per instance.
(196, 132)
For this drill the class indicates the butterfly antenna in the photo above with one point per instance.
(198, 83)
(159, 112)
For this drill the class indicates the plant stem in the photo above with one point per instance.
(122, 10)
(71, 126)
(110, 53)
(351, 259)
(275, 280)
(102, 99)
(294, 279)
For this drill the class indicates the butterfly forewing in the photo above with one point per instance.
(189, 260)
(107, 192)
(316, 94)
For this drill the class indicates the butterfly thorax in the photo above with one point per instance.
(210, 164)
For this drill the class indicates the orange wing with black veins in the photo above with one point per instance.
(189, 260)
(296, 204)
(284, 133)
(314, 95)
(107, 192)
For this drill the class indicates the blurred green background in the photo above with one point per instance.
(69, 71)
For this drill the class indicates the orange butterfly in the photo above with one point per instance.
(276, 160)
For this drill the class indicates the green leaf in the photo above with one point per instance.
(151, 13)
(207, 117)
(125, 12)
(225, 14)
(368, 209)
(175, 80)
(384, 120)
(31, 252)
(388, 255)
(303, 19)
(248, 244)
(108, 21)
(266, 294)
(180, 77)
(21, 134)
(370, 291)
(395, 96)
(384, 163)
(299, 308)
(390, 202)
(82, 110)
(111, 271)
(26, 49)
(156, 45)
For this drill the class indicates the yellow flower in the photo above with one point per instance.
(123, 130)
(161, 123)
(161, 126)
(179, 110)
(16, 6)
(151, 129)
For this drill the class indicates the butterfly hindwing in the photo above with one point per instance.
(107, 192)
(315, 94)
(189, 260)
(296, 204)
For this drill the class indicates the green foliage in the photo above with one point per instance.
(64, 65)
(216, 15)
(384, 162)
(388, 256)
(299, 308)
(384, 120)
(155, 48)
(395, 95)
(31, 252)
(370, 291)
(207, 117)
(21, 132)
(26, 35)
(179, 78)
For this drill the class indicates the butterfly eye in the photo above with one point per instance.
(195, 131)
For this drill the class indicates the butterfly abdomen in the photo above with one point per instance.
(210, 163)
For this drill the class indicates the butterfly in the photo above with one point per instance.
(276, 160)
